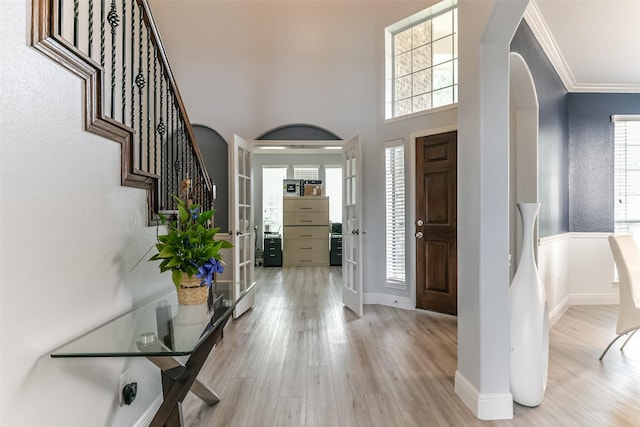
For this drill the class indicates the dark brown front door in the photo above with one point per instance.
(436, 223)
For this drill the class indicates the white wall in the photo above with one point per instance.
(577, 269)
(249, 66)
(482, 378)
(70, 233)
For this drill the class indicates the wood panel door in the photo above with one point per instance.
(436, 223)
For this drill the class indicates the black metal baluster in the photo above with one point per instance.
(102, 35)
(163, 156)
(112, 18)
(124, 61)
(183, 171)
(76, 13)
(140, 83)
(133, 78)
(174, 163)
(60, 15)
(90, 28)
(155, 109)
(148, 103)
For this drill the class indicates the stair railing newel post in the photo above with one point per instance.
(529, 320)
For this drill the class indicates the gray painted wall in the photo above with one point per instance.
(553, 136)
(215, 154)
(591, 157)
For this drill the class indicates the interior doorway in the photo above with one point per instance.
(523, 150)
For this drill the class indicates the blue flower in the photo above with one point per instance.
(205, 272)
(194, 212)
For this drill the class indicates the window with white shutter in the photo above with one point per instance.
(627, 175)
(305, 172)
(395, 215)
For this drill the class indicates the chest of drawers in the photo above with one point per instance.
(306, 231)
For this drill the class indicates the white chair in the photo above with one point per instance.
(627, 257)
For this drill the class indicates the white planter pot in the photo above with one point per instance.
(529, 320)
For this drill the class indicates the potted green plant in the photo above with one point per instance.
(190, 251)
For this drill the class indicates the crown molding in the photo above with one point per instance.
(541, 31)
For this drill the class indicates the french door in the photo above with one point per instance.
(352, 230)
(243, 237)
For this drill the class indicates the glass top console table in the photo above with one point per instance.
(159, 331)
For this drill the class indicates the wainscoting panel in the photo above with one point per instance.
(577, 269)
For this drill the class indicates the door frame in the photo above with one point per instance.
(411, 217)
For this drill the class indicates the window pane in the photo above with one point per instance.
(402, 107)
(272, 197)
(627, 177)
(443, 75)
(442, 25)
(395, 216)
(422, 82)
(402, 42)
(421, 58)
(403, 87)
(333, 189)
(422, 102)
(422, 34)
(443, 97)
(403, 64)
(305, 172)
(443, 50)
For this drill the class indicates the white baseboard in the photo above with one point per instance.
(148, 415)
(388, 300)
(485, 406)
(559, 310)
(595, 299)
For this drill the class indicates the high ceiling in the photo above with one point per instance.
(594, 44)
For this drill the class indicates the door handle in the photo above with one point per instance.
(419, 235)
(356, 232)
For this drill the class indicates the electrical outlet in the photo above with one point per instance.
(124, 380)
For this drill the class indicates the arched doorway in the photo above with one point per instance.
(523, 146)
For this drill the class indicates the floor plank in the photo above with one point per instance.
(299, 358)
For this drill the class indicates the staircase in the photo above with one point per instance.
(130, 94)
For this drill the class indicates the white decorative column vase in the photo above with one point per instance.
(529, 320)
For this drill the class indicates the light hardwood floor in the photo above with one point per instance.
(299, 358)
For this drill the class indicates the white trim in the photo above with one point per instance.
(541, 32)
(397, 285)
(625, 117)
(388, 300)
(548, 240)
(148, 415)
(559, 310)
(485, 406)
(594, 299)
(589, 235)
(422, 113)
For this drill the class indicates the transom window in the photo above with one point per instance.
(422, 61)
